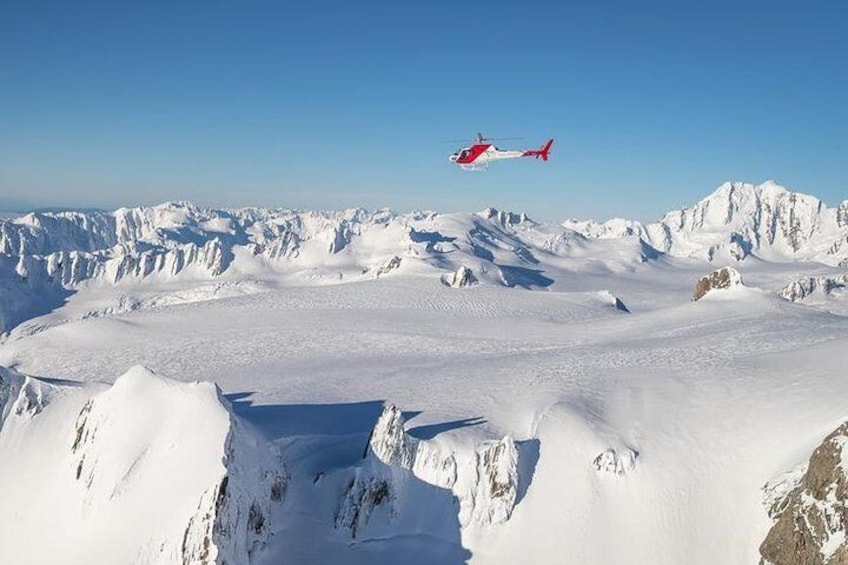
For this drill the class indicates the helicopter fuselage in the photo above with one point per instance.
(479, 155)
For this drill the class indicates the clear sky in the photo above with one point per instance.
(335, 104)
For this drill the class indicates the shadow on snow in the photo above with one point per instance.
(430, 431)
(321, 438)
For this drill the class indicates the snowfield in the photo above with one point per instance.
(421, 388)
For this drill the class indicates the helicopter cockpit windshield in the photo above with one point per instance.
(460, 155)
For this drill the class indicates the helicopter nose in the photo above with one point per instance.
(452, 158)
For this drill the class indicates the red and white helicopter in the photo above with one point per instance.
(478, 156)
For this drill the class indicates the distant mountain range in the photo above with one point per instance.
(45, 255)
(739, 220)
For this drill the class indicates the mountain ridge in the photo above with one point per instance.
(741, 219)
(46, 256)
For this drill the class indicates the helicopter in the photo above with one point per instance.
(478, 156)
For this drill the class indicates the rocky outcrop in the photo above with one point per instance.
(484, 482)
(389, 441)
(364, 493)
(392, 446)
(391, 265)
(616, 462)
(460, 278)
(21, 395)
(504, 218)
(813, 286)
(234, 518)
(720, 279)
(614, 301)
(842, 214)
(810, 519)
(496, 486)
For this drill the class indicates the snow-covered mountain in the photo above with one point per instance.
(814, 287)
(539, 424)
(149, 470)
(46, 256)
(739, 220)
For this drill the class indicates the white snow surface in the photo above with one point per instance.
(129, 473)
(610, 435)
(45, 257)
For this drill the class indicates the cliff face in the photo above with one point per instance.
(478, 487)
(810, 518)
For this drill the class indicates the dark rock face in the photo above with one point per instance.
(391, 265)
(619, 305)
(842, 214)
(723, 278)
(362, 496)
(810, 520)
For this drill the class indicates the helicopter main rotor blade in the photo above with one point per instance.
(484, 139)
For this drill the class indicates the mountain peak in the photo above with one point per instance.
(739, 190)
(49, 255)
(504, 217)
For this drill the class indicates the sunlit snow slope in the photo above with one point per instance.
(487, 390)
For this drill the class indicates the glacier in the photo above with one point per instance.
(181, 384)
(47, 256)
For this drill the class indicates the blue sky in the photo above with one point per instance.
(334, 104)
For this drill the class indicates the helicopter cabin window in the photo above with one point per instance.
(463, 154)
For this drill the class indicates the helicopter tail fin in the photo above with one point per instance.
(546, 150)
(543, 152)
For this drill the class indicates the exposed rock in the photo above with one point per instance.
(389, 441)
(613, 301)
(232, 522)
(484, 481)
(810, 519)
(392, 446)
(813, 286)
(497, 481)
(21, 395)
(461, 278)
(390, 454)
(503, 218)
(114, 454)
(842, 214)
(391, 265)
(364, 493)
(616, 462)
(10, 386)
(720, 279)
